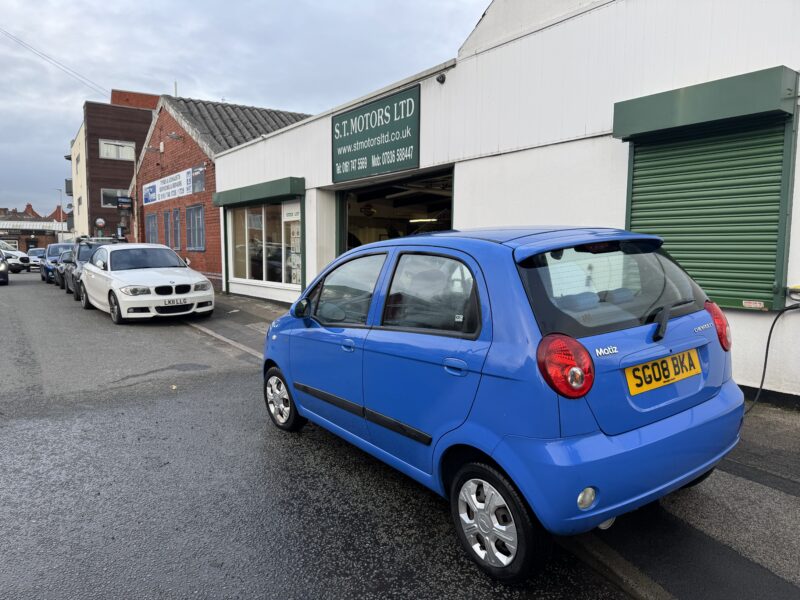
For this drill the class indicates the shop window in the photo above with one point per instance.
(167, 227)
(151, 228)
(116, 150)
(176, 229)
(108, 197)
(255, 242)
(266, 243)
(239, 243)
(195, 228)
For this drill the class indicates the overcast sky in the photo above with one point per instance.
(300, 55)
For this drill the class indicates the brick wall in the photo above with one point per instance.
(134, 99)
(179, 155)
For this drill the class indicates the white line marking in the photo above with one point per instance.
(228, 341)
(597, 554)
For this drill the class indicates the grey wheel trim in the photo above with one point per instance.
(278, 399)
(487, 523)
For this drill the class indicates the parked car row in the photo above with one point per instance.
(128, 281)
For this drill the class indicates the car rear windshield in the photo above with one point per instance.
(57, 249)
(607, 286)
(144, 258)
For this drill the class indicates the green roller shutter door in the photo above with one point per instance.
(714, 195)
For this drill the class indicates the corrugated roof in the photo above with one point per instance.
(222, 126)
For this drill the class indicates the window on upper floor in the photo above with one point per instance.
(117, 150)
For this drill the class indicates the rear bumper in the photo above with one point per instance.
(627, 470)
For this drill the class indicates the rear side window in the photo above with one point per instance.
(346, 293)
(607, 286)
(432, 293)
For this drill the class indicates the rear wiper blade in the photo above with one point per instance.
(663, 317)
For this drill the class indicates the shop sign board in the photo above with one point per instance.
(167, 188)
(379, 137)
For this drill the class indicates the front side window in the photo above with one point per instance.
(607, 286)
(434, 293)
(195, 228)
(346, 293)
(117, 150)
(100, 255)
(108, 197)
(151, 228)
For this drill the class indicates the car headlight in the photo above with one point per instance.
(203, 286)
(135, 290)
(3, 266)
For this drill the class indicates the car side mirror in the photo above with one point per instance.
(187, 261)
(100, 264)
(301, 309)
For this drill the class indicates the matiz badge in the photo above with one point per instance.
(605, 351)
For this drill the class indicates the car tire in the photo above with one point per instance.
(41, 274)
(86, 304)
(700, 479)
(114, 309)
(28, 269)
(280, 403)
(76, 292)
(483, 527)
(62, 282)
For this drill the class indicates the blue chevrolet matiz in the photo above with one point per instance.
(541, 379)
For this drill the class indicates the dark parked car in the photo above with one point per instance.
(81, 253)
(3, 269)
(63, 260)
(47, 270)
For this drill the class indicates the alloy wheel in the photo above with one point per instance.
(487, 523)
(278, 399)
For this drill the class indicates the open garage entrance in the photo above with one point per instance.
(396, 209)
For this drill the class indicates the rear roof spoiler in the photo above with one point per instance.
(579, 238)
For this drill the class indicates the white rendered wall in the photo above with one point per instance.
(525, 98)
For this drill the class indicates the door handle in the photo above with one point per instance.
(348, 345)
(455, 366)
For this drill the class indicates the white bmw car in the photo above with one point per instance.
(142, 281)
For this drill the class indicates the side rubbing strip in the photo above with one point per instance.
(370, 415)
(351, 407)
(398, 427)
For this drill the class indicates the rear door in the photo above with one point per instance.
(612, 297)
(423, 358)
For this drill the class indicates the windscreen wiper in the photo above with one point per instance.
(663, 317)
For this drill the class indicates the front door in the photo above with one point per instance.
(423, 359)
(327, 354)
(96, 278)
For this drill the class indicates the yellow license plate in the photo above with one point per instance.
(654, 374)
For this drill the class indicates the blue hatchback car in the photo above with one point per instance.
(543, 379)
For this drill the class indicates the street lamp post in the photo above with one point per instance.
(61, 206)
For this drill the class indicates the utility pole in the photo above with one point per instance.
(61, 206)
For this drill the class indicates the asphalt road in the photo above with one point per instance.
(137, 462)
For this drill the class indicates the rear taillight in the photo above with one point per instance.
(721, 325)
(566, 365)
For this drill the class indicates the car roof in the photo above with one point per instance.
(513, 237)
(115, 247)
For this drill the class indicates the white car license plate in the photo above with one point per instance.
(175, 302)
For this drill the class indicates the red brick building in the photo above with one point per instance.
(175, 180)
(28, 229)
